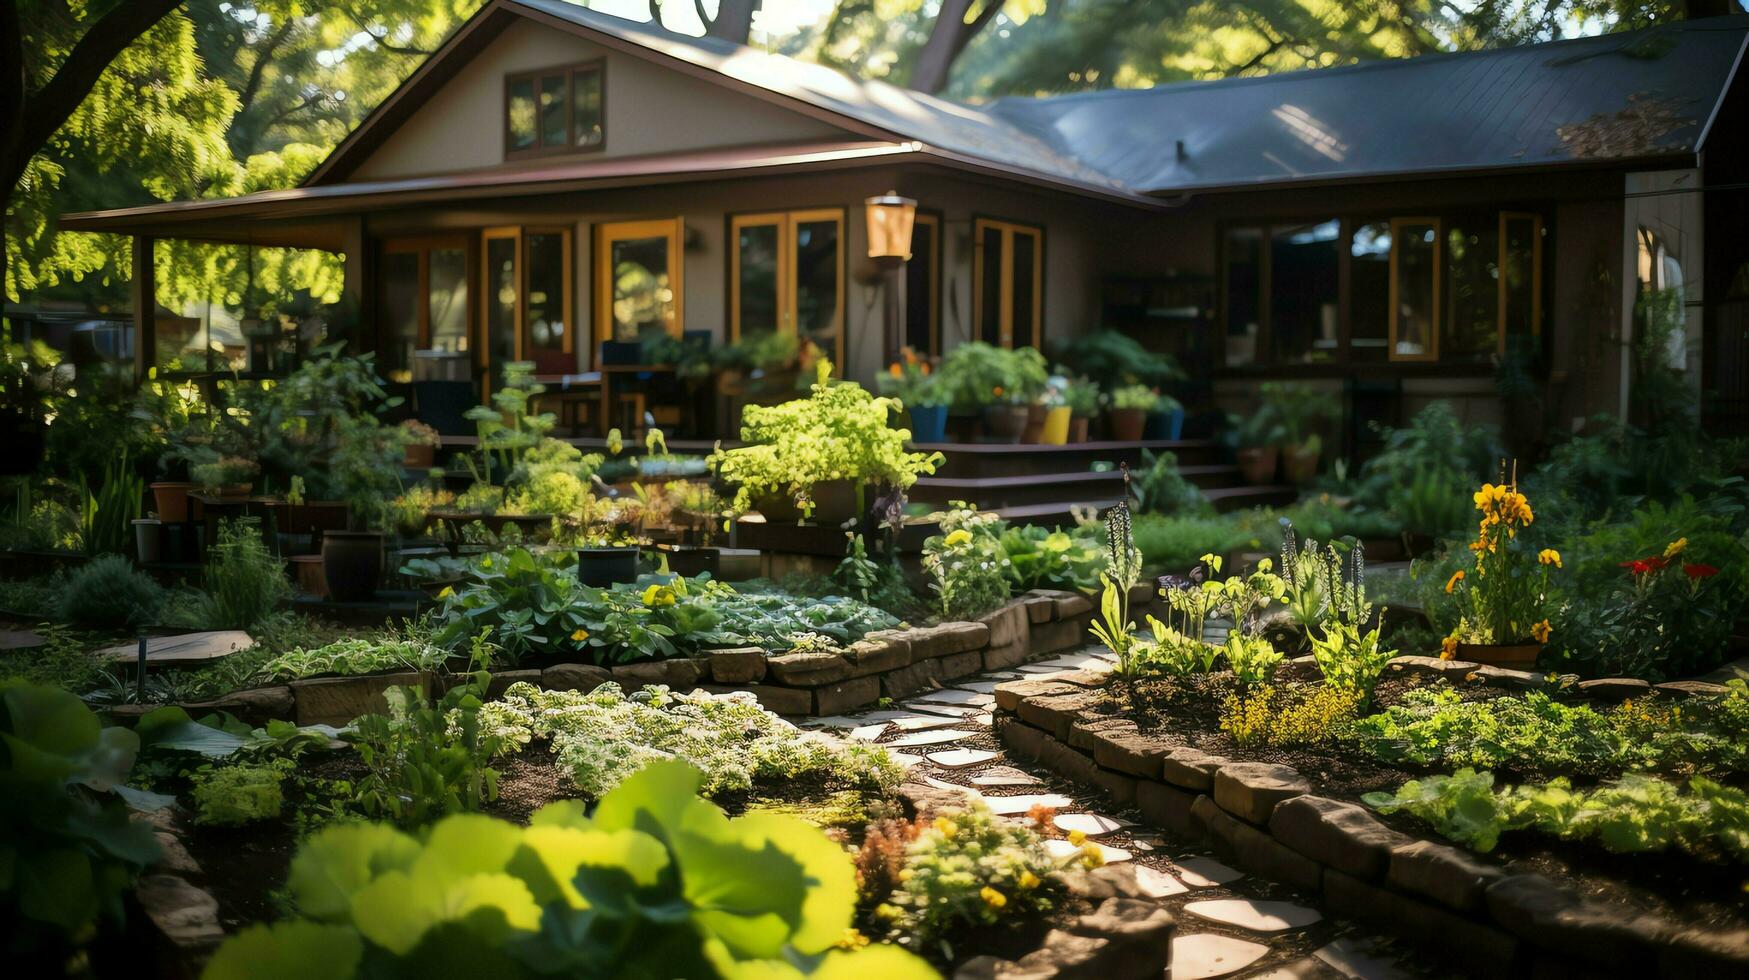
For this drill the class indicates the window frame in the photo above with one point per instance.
(605, 233)
(1431, 355)
(932, 220)
(568, 72)
(1005, 278)
(788, 283)
(422, 245)
(479, 271)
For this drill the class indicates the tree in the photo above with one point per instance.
(954, 28)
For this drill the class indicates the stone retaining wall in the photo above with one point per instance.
(886, 664)
(1266, 819)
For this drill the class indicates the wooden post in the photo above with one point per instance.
(145, 300)
(358, 298)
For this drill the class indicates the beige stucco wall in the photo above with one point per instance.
(651, 109)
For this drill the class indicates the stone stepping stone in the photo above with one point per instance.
(1063, 850)
(1091, 824)
(981, 687)
(174, 651)
(985, 720)
(1346, 957)
(950, 787)
(1010, 805)
(1006, 776)
(1206, 955)
(21, 640)
(961, 758)
(1043, 668)
(1246, 913)
(918, 723)
(954, 695)
(905, 760)
(868, 733)
(1002, 675)
(935, 737)
(1205, 872)
(1158, 884)
(945, 710)
(1307, 968)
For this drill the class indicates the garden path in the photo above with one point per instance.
(1229, 924)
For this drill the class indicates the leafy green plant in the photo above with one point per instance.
(1176, 543)
(1131, 397)
(658, 882)
(109, 593)
(966, 564)
(69, 850)
(226, 471)
(236, 795)
(352, 657)
(1253, 659)
(106, 519)
(912, 383)
(1113, 359)
(1507, 590)
(976, 374)
(244, 583)
(1431, 501)
(426, 759)
(1162, 489)
(1349, 657)
(1052, 558)
(1287, 718)
(1123, 568)
(1437, 727)
(1300, 409)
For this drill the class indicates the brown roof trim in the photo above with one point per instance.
(1679, 158)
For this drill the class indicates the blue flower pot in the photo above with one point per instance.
(1165, 425)
(929, 423)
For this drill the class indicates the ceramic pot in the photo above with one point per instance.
(1004, 423)
(1518, 656)
(149, 540)
(1300, 463)
(171, 501)
(603, 567)
(1033, 433)
(928, 423)
(1126, 423)
(1165, 426)
(1078, 428)
(693, 561)
(352, 564)
(1055, 431)
(418, 456)
(1257, 464)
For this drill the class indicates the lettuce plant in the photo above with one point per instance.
(657, 882)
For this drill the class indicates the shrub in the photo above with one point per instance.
(1161, 489)
(109, 593)
(1178, 543)
(1288, 717)
(1252, 659)
(1041, 558)
(966, 565)
(656, 883)
(245, 583)
(1113, 359)
(425, 759)
(235, 795)
(1351, 658)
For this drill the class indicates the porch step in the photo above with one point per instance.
(1228, 499)
(968, 460)
(1044, 488)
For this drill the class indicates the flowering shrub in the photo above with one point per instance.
(1508, 592)
(967, 567)
(1670, 618)
(1267, 715)
(970, 868)
(604, 736)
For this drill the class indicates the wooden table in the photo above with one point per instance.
(571, 390)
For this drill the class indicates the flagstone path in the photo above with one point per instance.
(1229, 924)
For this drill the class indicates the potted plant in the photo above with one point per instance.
(1055, 430)
(1082, 398)
(365, 470)
(912, 384)
(1111, 360)
(227, 476)
(1301, 411)
(609, 554)
(1165, 419)
(1257, 439)
(1130, 406)
(1504, 593)
(703, 512)
(996, 383)
(422, 443)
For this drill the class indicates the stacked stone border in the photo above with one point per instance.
(1266, 819)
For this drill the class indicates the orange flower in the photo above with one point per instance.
(1451, 583)
(1541, 631)
(924, 367)
(1448, 648)
(997, 391)
(895, 370)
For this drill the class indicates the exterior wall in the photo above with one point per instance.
(650, 110)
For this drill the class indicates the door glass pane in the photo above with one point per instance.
(1518, 252)
(1470, 325)
(817, 280)
(918, 301)
(501, 280)
(554, 117)
(990, 289)
(756, 294)
(400, 312)
(545, 340)
(642, 296)
(448, 272)
(1303, 291)
(520, 114)
(1244, 290)
(1025, 323)
(1369, 292)
(1417, 246)
(588, 128)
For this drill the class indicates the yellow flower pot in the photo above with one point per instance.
(1056, 430)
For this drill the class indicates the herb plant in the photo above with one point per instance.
(426, 759)
(235, 795)
(966, 564)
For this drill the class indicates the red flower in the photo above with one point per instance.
(1641, 566)
(1696, 571)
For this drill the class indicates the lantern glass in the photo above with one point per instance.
(890, 218)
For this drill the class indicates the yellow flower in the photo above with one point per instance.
(1077, 838)
(1028, 881)
(992, 897)
(658, 595)
(1451, 583)
(947, 827)
(1448, 648)
(579, 634)
(1541, 631)
(852, 939)
(905, 874)
(959, 537)
(1549, 556)
(1675, 547)
(446, 593)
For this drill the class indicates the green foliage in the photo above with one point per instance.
(1123, 569)
(1436, 439)
(604, 736)
(236, 795)
(426, 759)
(1301, 410)
(1288, 717)
(657, 883)
(1252, 659)
(1437, 727)
(1141, 397)
(976, 374)
(352, 657)
(1113, 360)
(106, 520)
(245, 582)
(69, 849)
(1635, 814)
(1350, 658)
(1052, 558)
(63, 661)
(1178, 543)
(1434, 501)
(1161, 489)
(966, 564)
(912, 383)
(109, 593)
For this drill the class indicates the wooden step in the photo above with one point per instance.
(970, 460)
(1228, 499)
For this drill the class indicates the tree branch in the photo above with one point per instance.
(986, 14)
(263, 58)
(382, 40)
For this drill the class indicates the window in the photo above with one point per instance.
(1521, 281)
(528, 299)
(638, 279)
(1304, 276)
(423, 301)
(923, 286)
(1414, 289)
(786, 273)
(1369, 292)
(1008, 267)
(557, 110)
(1242, 286)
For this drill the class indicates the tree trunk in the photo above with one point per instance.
(734, 20)
(948, 38)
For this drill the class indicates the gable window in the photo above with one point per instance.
(786, 273)
(555, 110)
(1008, 267)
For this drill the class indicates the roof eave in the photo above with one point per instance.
(1681, 158)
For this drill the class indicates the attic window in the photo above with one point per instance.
(555, 110)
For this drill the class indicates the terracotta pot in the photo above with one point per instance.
(149, 540)
(1004, 423)
(1519, 656)
(835, 501)
(352, 564)
(1055, 431)
(171, 500)
(1300, 464)
(1257, 464)
(1126, 423)
(1078, 428)
(418, 456)
(1033, 433)
(307, 569)
(603, 567)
